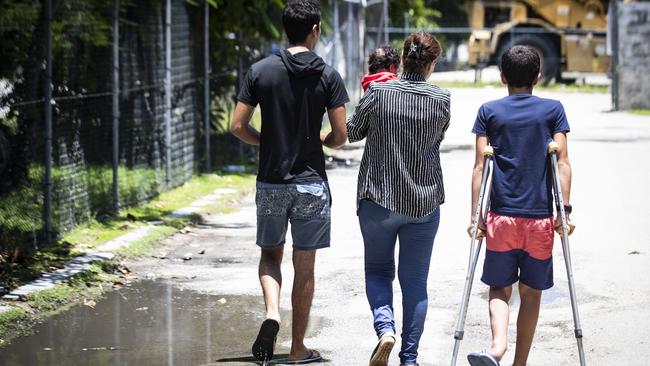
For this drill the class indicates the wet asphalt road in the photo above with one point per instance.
(207, 310)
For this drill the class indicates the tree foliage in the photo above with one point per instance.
(17, 24)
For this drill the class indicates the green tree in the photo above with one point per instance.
(17, 24)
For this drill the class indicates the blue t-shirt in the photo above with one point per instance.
(519, 127)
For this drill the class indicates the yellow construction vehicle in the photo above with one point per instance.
(569, 35)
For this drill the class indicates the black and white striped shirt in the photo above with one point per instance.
(404, 121)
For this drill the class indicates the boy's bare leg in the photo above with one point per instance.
(526, 322)
(301, 298)
(499, 317)
(270, 275)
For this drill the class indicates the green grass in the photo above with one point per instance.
(569, 88)
(21, 209)
(640, 112)
(10, 322)
(145, 245)
(97, 232)
(194, 189)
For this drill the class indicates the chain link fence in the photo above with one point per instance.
(103, 103)
(104, 107)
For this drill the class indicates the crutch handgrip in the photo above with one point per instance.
(480, 233)
(488, 151)
(553, 147)
(560, 229)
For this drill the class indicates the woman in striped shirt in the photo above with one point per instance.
(400, 190)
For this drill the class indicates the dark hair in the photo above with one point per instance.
(298, 19)
(520, 66)
(420, 50)
(382, 58)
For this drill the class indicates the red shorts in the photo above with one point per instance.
(518, 249)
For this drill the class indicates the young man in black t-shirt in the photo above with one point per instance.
(293, 89)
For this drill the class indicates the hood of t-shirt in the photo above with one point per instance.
(302, 64)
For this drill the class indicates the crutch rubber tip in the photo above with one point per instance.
(459, 334)
(553, 147)
(488, 151)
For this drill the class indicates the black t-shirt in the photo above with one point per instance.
(293, 92)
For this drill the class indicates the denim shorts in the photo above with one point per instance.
(305, 205)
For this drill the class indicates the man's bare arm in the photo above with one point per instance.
(339, 134)
(477, 173)
(240, 125)
(564, 168)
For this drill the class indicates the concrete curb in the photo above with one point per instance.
(105, 251)
(51, 279)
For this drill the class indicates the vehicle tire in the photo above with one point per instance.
(547, 49)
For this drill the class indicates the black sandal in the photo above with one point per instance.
(265, 342)
(313, 356)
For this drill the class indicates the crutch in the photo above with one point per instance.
(474, 251)
(559, 204)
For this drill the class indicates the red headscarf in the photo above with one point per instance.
(379, 77)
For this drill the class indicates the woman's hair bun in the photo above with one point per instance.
(415, 51)
(420, 50)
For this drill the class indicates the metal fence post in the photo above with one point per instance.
(168, 92)
(614, 60)
(386, 20)
(47, 204)
(348, 53)
(240, 80)
(116, 104)
(361, 35)
(337, 31)
(206, 83)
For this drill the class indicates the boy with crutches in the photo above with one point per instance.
(519, 225)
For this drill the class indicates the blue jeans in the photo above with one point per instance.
(380, 228)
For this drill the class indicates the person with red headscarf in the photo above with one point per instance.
(383, 64)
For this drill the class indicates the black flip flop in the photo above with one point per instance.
(482, 359)
(265, 342)
(313, 356)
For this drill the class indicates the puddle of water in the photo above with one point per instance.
(151, 323)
